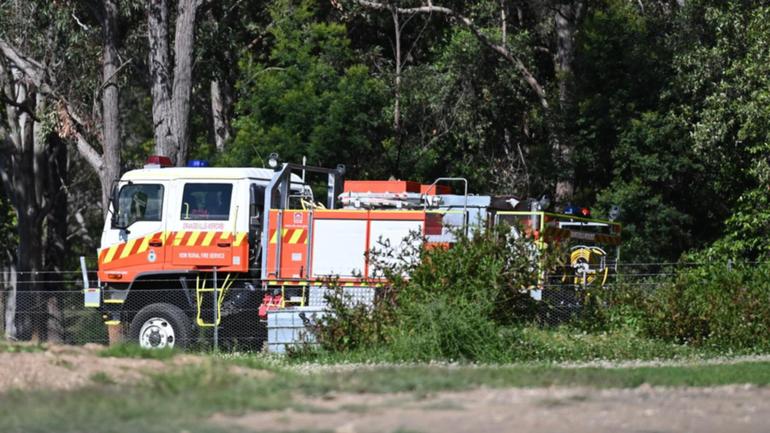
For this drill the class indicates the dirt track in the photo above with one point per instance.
(733, 408)
(577, 410)
(70, 367)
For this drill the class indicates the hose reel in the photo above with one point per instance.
(587, 266)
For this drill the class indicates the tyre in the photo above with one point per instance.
(159, 326)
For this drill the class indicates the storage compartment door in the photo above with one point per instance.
(339, 247)
(392, 235)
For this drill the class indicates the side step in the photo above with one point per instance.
(208, 314)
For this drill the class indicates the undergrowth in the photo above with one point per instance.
(130, 350)
(469, 303)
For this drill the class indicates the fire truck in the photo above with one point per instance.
(189, 248)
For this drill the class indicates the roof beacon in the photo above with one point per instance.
(158, 161)
(197, 163)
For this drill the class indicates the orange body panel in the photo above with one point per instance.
(381, 186)
(435, 189)
(169, 251)
(294, 243)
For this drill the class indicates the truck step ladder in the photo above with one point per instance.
(210, 315)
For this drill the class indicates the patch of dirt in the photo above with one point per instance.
(735, 409)
(70, 367)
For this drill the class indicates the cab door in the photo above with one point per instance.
(206, 233)
(136, 242)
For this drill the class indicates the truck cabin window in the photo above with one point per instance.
(139, 202)
(206, 201)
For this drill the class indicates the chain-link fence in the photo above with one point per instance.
(58, 314)
(198, 315)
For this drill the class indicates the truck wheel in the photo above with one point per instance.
(159, 326)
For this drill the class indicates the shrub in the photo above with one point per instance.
(714, 305)
(453, 305)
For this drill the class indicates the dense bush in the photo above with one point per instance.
(470, 303)
(455, 304)
(715, 306)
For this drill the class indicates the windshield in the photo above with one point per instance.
(139, 202)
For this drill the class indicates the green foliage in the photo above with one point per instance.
(456, 299)
(673, 109)
(454, 304)
(654, 172)
(747, 230)
(13, 347)
(128, 350)
(715, 306)
(310, 96)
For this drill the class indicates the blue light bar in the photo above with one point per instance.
(197, 163)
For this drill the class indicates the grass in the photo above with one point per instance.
(183, 399)
(532, 344)
(16, 347)
(127, 350)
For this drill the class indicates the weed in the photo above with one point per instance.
(128, 350)
(102, 378)
(18, 347)
(61, 362)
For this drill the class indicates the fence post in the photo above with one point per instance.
(215, 306)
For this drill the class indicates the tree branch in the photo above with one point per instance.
(31, 68)
(20, 105)
(108, 81)
(73, 124)
(501, 50)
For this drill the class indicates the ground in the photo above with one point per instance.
(62, 388)
(70, 367)
(576, 410)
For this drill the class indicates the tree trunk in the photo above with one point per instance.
(566, 18)
(27, 162)
(161, 76)
(110, 103)
(171, 86)
(4, 288)
(25, 176)
(219, 114)
(56, 251)
(10, 278)
(183, 63)
(397, 92)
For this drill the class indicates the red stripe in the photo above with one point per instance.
(118, 251)
(185, 238)
(137, 244)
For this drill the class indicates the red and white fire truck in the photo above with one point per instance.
(195, 247)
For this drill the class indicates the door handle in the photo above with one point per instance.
(156, 243)
(223, 244)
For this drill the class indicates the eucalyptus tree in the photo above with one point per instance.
(48, 85)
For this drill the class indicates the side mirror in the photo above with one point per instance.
(114, 204)
(115, 200)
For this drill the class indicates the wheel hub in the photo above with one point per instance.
(156, 333)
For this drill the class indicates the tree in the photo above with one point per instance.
(310, 96)
(566, 16)
(171, 82)
(39, 118)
